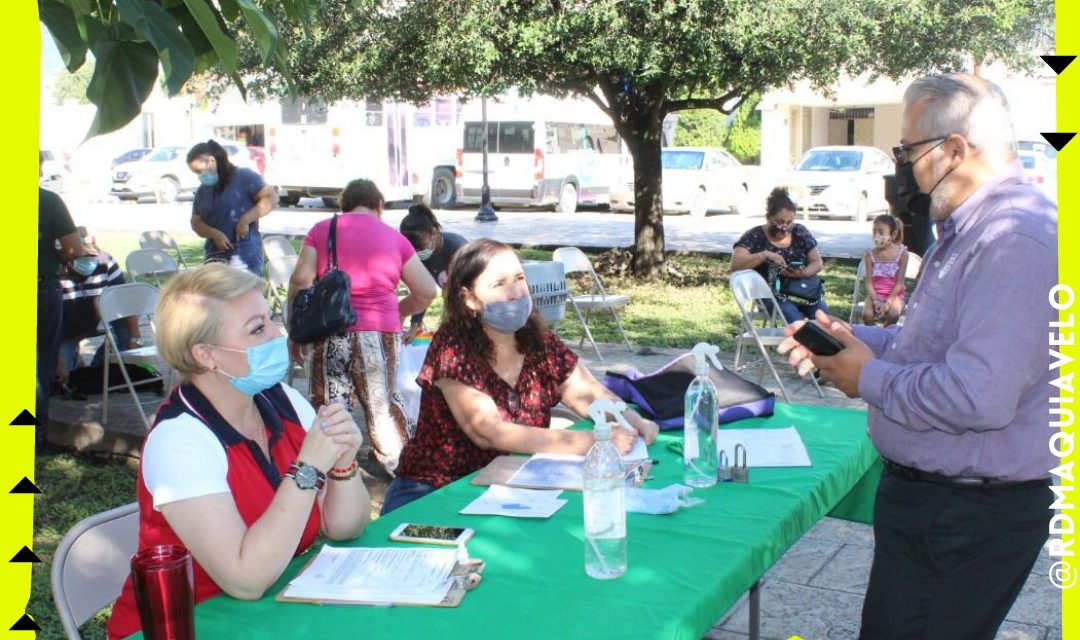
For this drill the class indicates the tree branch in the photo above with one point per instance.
(704, 103)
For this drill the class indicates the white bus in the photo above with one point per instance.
(542, 151)
(315, 149)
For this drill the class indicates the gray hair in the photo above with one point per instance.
(967, 105)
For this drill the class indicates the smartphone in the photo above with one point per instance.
(795, 264)
(430, 534)
(817, 340)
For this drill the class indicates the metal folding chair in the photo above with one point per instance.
(756, 303)
(277, 247)
(279, 270)
(862, 284)
(150, 262)
(91, 564)
(115, 303)
(162, 240)
(574, 260)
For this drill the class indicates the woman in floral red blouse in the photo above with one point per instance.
(491, 376)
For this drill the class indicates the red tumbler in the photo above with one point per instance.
(164, 582)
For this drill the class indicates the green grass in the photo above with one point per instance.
(691, 304)
(73, 486)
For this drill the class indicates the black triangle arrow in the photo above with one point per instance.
(25, 555)
(25, 623)
(1058, 140)
(1058, 63)
(25, 486)
(25, 419)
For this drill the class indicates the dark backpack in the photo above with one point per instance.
(660, 394)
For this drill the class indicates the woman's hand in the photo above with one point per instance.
(774, 258)
(338, 423)
(321, 447)
(242, 227)
(622, 439)
(221, 241)
(646, 428)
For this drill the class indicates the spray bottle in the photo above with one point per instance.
(700, 421)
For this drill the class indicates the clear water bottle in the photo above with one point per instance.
(700, 422)
(605, 506)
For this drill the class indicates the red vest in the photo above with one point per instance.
(252, 479)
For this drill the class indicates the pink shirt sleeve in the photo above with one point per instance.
(406, 249)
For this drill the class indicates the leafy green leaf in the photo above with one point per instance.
(156, 25)
(124, 75)
(265, 32)
(229, 10)
(64, 29)
(79, 6)
(209, 22)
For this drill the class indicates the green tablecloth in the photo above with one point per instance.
(685, 569)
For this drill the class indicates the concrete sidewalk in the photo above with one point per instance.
(814, 591)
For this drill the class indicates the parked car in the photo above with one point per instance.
(165, 171)
(130, 156)
(1040, 165)
(55, 170)
(695, 180)
(840, 181)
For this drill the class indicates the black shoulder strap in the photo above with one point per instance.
(331, 243)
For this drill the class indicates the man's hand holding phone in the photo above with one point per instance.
(830, 347)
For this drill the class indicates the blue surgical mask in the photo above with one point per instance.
(507, 316)
(267, 365)
(84, 265)
(425, 254)
(208, 179)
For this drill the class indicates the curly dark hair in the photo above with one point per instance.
(462, 323)
(361, 193)
(779, 200)
(896, 229)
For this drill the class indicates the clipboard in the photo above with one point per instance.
(466, 578)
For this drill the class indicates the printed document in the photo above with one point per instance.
(500, 500)
(764, 447)
(376, 575)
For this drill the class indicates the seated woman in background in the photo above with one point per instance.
(238, 467)
(781, 249)
(434, 248)
(492, 374)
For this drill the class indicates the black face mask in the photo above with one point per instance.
(907, 190)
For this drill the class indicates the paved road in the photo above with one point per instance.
(714, 234)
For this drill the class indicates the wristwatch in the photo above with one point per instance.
(306, 476)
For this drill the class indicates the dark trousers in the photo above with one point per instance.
(950, 561)
(50, 307)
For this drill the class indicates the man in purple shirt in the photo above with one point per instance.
(959, 396)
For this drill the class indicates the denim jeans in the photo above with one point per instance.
(401, 492)
(793, 312)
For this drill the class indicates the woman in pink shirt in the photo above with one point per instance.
(360, 363)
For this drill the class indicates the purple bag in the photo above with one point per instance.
(659, 395)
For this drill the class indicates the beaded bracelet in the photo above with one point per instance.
(346, 473)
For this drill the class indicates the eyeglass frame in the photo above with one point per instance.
(900, 151)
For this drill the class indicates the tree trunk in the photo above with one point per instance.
(648, 203)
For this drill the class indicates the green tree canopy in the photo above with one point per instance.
(642, 59)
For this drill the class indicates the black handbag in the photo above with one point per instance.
(801, 290)
(324, 309)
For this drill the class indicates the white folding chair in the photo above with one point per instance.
(277, 247)
(162, 240)
(756, 302)
(149, 262)
(574, 260)
(548, 289)
(279, 270)
(91, 564)
(123, 301)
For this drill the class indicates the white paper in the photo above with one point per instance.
(764, 447)
(515, 502)
(564, 471)
(377, 575)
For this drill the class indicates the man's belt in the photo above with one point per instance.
(966, 482)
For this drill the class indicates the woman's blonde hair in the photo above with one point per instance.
(189, 311)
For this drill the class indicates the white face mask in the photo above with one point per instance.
(425, 254)
(881, 241)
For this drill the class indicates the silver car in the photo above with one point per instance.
(695, 180)
(840, 181)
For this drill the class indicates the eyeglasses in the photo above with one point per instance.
(900, 152)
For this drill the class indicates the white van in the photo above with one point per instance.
(568, 156)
